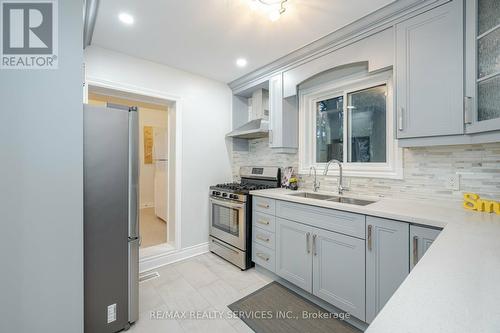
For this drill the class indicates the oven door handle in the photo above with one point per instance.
(227, 204)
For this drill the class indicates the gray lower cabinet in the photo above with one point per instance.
(421, 239)
(387, 261)
(324, 252)
(429, 76)
(339, 271)
(327, 264)
(293, 253)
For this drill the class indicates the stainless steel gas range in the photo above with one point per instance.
(231, 213)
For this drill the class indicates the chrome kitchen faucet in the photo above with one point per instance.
(340, 187)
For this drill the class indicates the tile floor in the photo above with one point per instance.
(201, 283)
(153, 229)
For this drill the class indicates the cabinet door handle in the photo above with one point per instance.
(370, 227)
(415, 250)
(263, 256)
(264, 222)
(308, 245)
(400, 118)
(314, 245)
(468, 107)
(262, 238)
(263, 205)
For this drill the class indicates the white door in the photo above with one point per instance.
(160, 155)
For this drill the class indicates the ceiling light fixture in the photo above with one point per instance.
(241, 62)
(274, 8)
(126, 18)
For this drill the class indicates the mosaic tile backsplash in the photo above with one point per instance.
(426, 171)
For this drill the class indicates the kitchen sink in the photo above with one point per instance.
(333, 198)
(309, 195)
(351, 201)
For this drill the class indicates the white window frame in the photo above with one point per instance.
(392, 168)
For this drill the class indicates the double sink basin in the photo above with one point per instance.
(332, 198)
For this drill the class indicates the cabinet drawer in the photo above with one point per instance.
(264, 221)
(263, 256)
(263, 237)
(264, 205)
(334, 220)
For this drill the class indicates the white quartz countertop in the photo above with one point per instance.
(455, 287)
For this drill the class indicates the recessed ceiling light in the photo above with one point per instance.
(241, 62)
(126, 18)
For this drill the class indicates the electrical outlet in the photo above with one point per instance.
(111, 313)
(453, 182)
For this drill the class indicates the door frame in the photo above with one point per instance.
(174, 104)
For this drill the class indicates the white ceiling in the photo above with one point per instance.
(207, 36)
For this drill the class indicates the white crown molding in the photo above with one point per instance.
(368, 25)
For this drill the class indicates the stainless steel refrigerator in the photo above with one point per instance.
(111, 228)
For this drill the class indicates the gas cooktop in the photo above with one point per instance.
(240, 187)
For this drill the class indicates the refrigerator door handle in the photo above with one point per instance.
(133, 280)
(133, 196)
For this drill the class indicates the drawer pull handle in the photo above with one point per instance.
(261, 205)
(225, 247)
(264, 222)
(262, 256)
(314, 245)
(262, 238)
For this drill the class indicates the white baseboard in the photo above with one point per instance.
(153, 262)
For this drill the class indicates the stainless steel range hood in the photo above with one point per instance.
(254, 129)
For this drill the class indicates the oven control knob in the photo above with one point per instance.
(232, 196)
(224, 195)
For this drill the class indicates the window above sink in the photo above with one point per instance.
(351, 120)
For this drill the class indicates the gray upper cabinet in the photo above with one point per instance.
(429, 73)
(387, 261)
(421, 239)
(293, 253)
(339, 271)
(283, 118)
(482, 65)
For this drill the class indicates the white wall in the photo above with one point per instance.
(205, 110)
(41, 189)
